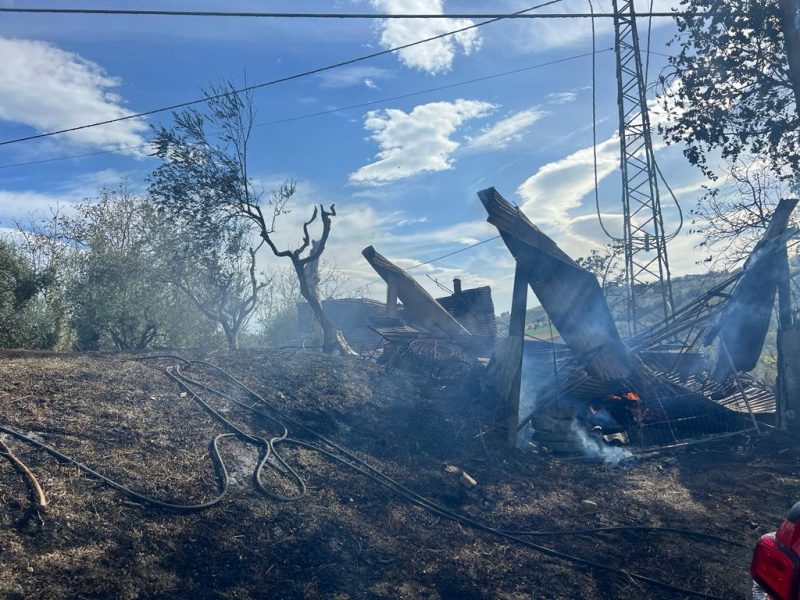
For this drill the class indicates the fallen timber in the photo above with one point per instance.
(568, 293)
(403, 287)
(743, 325)
(631, 382)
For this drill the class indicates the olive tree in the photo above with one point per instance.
(208, 182)
(116, 296)
(215, 269)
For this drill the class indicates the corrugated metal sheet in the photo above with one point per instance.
(474, 309)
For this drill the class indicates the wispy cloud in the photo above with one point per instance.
(416, 142)
(561, 97)
(560, 186)
(540, 35)
(354, 76)
(48, 88)
(507, 130)
(433, 57)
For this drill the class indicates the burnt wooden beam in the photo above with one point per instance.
(569, 294)
(745, 321)
(422, 305)
(515, 343)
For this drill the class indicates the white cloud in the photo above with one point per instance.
(561, 97)
(507, 130)
(540, 35)
(432, 57)
(354, 76)
(411, 221)
(17, 205)
(468, 241)
(48, 88)
(416, 142)
(560, 186)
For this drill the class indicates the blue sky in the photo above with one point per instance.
(403, 174)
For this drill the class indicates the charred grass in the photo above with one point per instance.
(349, 538)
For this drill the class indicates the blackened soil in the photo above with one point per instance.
(349, 538)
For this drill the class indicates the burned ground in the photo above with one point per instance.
(349, 538)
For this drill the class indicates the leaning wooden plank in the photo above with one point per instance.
(569, 294)
(744, 323)
(427, 311)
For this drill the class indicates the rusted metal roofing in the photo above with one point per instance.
(474, 309)
(569, 294)
(363, 320)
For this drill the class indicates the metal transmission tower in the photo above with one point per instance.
(646, 264)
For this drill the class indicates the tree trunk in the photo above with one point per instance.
(332, 341)
(231, 335)
(790, 19)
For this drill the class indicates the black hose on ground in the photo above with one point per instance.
(342, 456)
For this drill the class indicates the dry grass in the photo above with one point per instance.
(349, 538)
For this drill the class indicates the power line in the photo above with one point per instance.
(335, 110)
(276, 81)
(341, 16)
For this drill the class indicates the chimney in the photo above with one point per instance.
(456, 285)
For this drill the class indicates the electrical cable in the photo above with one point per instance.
(275, 81)
(341, 16)
(674, 199)
(594, 129)
(335, 453)
(332, 110)
(596, 530)
(649, 32)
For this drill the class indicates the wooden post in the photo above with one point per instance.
(788, 409)
(391, 298)
(516, 334)
(786, 401)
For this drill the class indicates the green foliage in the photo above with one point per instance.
(118, 294)
(729, 89)
(19, 286)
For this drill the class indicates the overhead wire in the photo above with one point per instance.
(594, 129)
(335, 452)
(331, 110)
(274, 81)
(300, 15)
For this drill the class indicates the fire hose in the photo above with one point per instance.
(270, 457)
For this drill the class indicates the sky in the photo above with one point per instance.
(402, 173)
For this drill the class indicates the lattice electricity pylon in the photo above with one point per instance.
(646, 264)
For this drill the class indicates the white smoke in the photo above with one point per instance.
(595, 447)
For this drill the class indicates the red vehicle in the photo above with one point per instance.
(776, 561)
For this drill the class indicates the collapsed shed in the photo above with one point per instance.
(463, 322)
(638, 389)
